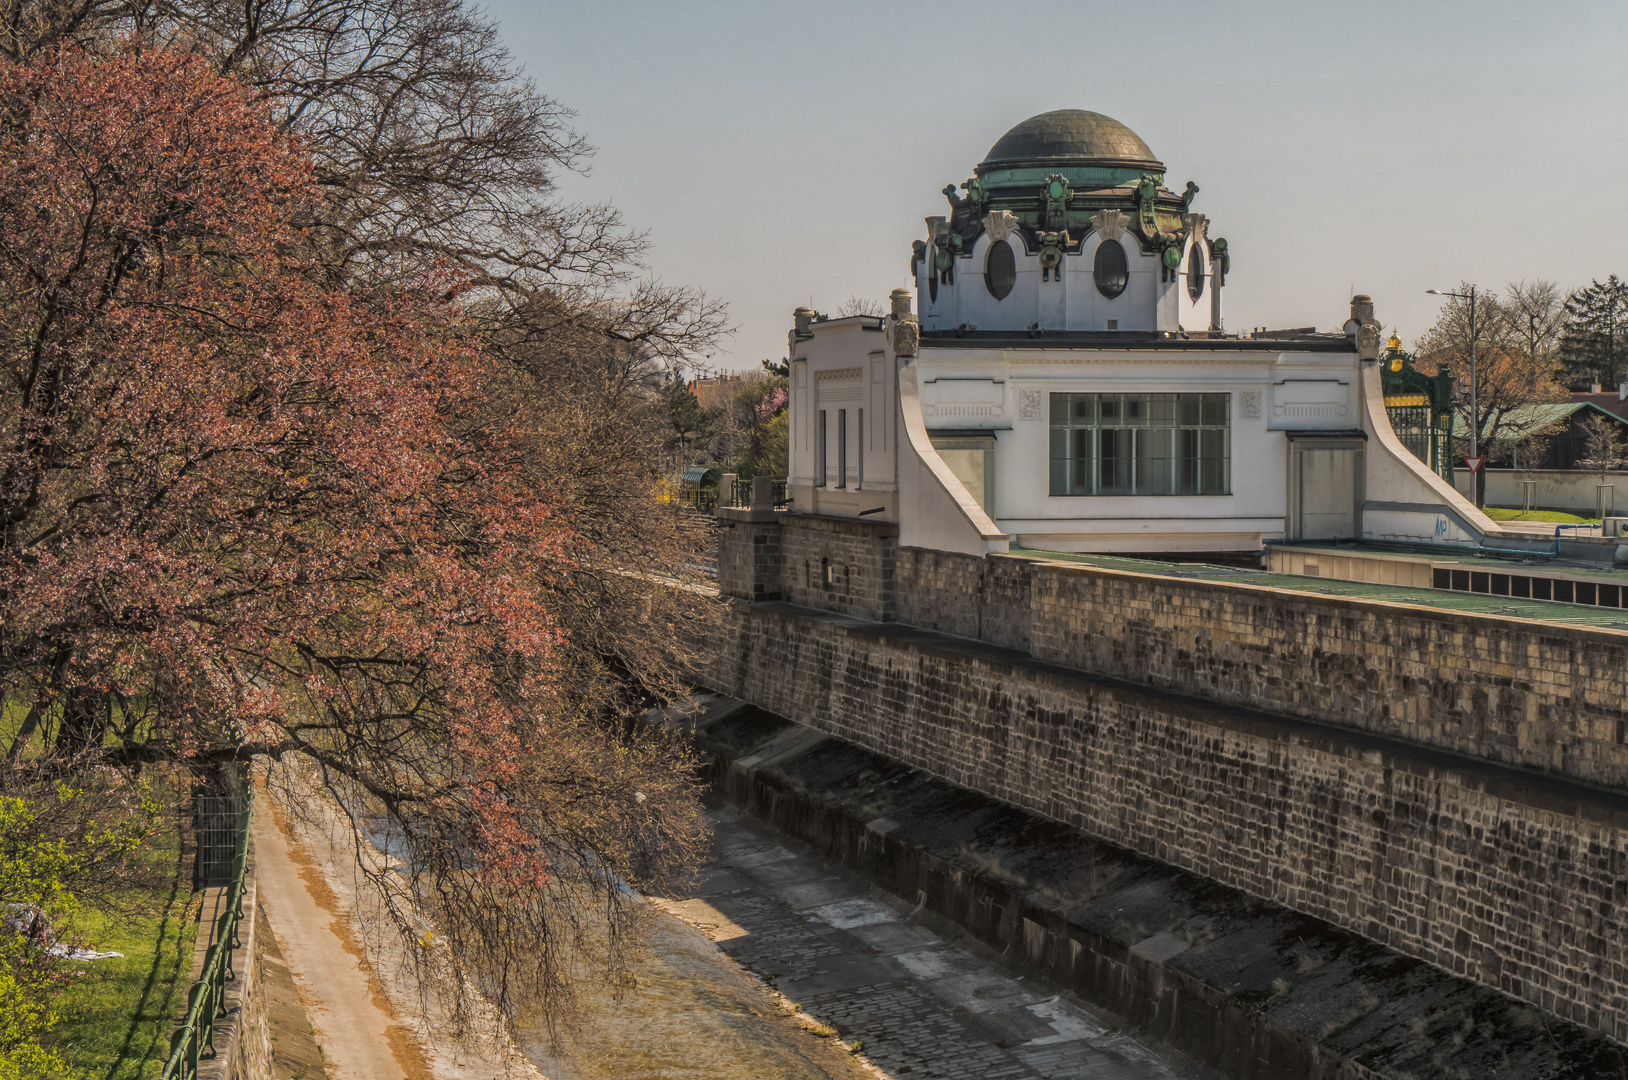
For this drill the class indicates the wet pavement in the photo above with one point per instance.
(915, 1005)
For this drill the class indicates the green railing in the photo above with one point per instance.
(207, 1001)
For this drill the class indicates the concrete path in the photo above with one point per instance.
(355, 1026)
(921, 1005)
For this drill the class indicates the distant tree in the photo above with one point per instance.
(1602, 444)
(748, 416)
(692, 428)
(1515, 366)
(781, 367)
(1593, 346)
(856, 305)
(1536, 316)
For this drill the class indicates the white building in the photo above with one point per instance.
(1068, 385)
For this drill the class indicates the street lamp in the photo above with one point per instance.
(1475, 416)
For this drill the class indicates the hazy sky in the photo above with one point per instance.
(778, 153)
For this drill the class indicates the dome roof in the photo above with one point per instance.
(1070, 138)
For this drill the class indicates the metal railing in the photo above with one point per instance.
(741, 494)
(207, 1001)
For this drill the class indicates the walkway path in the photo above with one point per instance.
(373, 1020)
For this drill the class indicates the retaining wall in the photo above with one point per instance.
(1515, 880)
(1242, 984)
(1539, 695)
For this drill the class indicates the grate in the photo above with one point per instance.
(217, 839)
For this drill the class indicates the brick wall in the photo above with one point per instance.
(839, 564)
(1516, 882)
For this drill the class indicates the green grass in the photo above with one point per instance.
(118, 1014)
(1558, 517)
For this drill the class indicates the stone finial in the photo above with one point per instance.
(803, 319)
(1364, 327)
(900, 299)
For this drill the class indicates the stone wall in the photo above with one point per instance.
(1241, 984)
(839, 564)
(1509, 878)
(749, 558)
(1539, 695)
(242, 1038)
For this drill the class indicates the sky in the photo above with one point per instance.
(780, 154)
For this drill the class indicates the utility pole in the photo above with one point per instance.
(1475, 415)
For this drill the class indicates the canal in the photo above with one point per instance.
(772, 964)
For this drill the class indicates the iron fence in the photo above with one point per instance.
(223, 856)
(741, 495)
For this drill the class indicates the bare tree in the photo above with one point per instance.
(858, 305)
(1516, 366)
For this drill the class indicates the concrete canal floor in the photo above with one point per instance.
(764, 910)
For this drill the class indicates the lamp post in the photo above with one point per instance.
(1475, 416)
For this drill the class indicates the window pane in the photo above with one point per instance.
(1113, 462)
(1000, 269)
(1215, 408)
(1153, 462)
(1110, 269)
(1189, 408)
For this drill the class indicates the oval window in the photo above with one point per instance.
(1111, 271)
(1195, 272)
(1000, 269)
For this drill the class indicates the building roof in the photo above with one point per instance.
(1534, 419)
(1072, 138)
(1610, 401)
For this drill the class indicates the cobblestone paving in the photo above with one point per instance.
(923, 1008)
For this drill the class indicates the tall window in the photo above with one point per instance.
(1141, 444)
(819, 479)
(1000, 269)
(842, 448)
(861, 447)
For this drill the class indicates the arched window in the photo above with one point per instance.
(1111, 271)
(1000, 269)
(1195, 271)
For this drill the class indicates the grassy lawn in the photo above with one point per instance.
(117, 1016)
(1558, 517)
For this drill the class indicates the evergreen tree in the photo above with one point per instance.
(1593, 348)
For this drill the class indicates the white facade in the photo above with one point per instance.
(957, 426)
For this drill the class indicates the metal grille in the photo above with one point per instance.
(1415, 427)
(217, 839)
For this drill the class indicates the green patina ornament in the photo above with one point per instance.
(955, 200)
(1223, 260)
(1057, 194)
(975, 196)
(1147, 191)
(1188, 196)
(944, 259)
(1171, 257)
